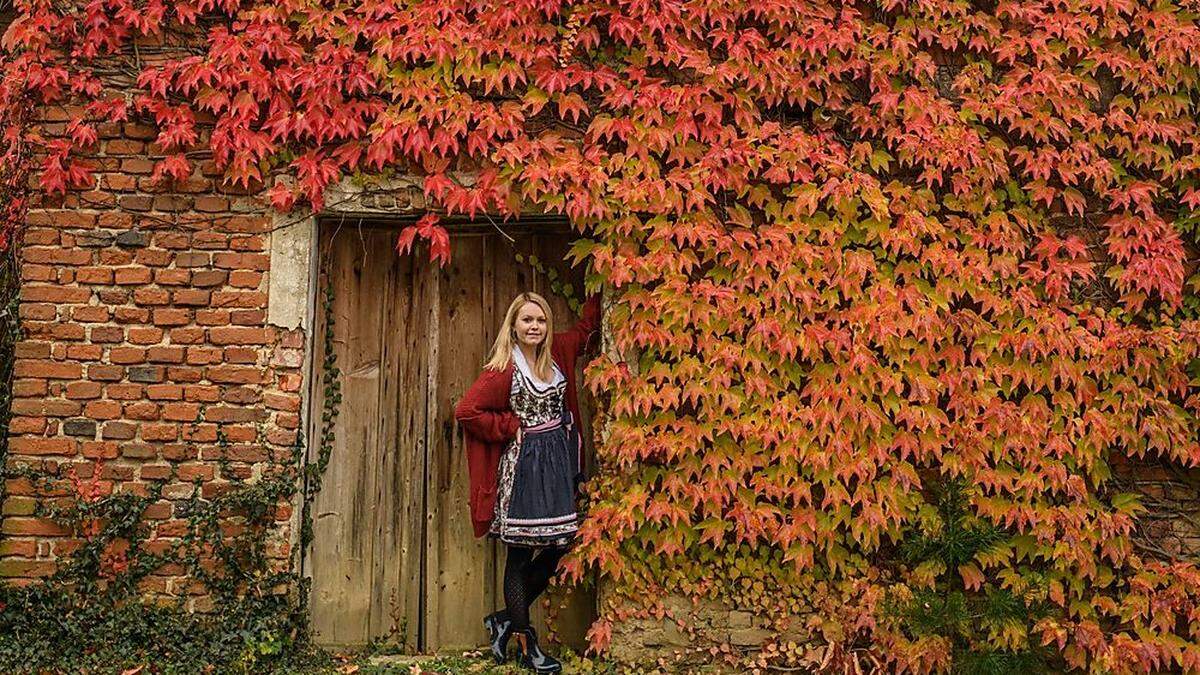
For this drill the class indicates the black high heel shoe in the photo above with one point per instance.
(532, 656)
(499, 629)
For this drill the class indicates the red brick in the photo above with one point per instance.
(31, 272)
(248, 317)
(94, 275)
(27, 349)
(60, 408)
(145, 335)
(210, 204)
(102, 373)
(27, 425)
(163, 354)
(155, 471)
(160, 432)
(204, 393)
(119, 431)
(241, 395)
(209, 240)
(83, 390)
(183, 412)
(191, 472)
(41, 446)
(19, 548)
(125, 391)
(172, 203)
(132, 275)
(23, 388)
(235, 374)
(85, 352)
(113, 296)
(241, 433)
(40, 236)
(131, 315)
(289, 403)
(185, 374)
(222, 413)
(91, 314)
(142, 410)
(175, 452)
(164, 392)
(242, 261)
(212, 317)
(102, 410)
(161, 510)
(119, 182)
(246, 453)
(173, 240)
(172, 528)
(124, 147)
(13, 567)
(241, 355)
(56, 255)
(117, 473)
(173, 277)
(37, 312)
(101, 450)
(106, 334)
(245, 279)
(67, 331)
(254, 243)
(153, 257)
(127, 355)
(200, 433)
(190, 297)
(137, 165)
(135, 202)
(193, 259)
(207, 278)
(138, 451)
(47, 369)
(151, 296)
(171, 317)
(246, 299)
(187, 336)
(55, 294)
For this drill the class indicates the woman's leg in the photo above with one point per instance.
(541, 569)
(517, 595)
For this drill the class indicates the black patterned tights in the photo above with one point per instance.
(526, 575)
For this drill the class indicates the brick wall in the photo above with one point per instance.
(145, 336)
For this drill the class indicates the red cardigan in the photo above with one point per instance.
(489, 423)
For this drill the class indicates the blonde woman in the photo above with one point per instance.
(524, 454)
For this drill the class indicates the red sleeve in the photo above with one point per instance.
(483, 411)
(575, 339)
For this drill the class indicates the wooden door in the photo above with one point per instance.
(394, 557)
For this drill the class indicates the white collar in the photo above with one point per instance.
(523, 366)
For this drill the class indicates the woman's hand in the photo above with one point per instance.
(520, 435)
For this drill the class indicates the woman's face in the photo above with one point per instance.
(530, 325)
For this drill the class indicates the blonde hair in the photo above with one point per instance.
(506, 339)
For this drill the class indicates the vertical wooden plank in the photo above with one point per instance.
(342, 554)
(458, 565)
(399, 512)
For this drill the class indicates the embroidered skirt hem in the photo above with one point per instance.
(535, 495)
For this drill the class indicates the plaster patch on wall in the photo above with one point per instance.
(293, 246)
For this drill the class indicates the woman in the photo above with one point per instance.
(524, 456)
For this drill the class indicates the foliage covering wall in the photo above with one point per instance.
(906, 280)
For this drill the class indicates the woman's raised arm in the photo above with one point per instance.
(575, 339)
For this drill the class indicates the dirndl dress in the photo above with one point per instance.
(535, 491)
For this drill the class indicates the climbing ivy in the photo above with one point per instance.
(856, 251)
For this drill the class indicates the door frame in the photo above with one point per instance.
(294, 296)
